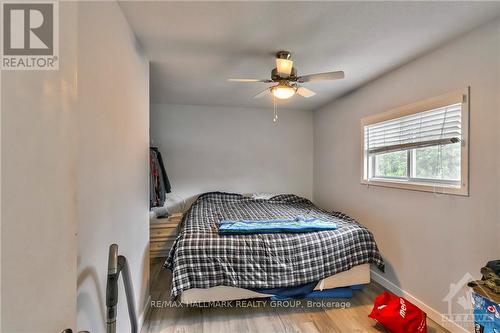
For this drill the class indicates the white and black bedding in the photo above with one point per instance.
(201, 258)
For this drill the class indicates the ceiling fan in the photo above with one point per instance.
(285, 75)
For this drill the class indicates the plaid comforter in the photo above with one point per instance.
(201, 258)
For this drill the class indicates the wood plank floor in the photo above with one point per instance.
(266, 319)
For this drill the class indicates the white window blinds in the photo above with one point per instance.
(439, 126)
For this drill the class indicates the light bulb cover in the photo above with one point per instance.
(284, 67)
(283, 91)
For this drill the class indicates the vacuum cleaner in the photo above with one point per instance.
(117, 265)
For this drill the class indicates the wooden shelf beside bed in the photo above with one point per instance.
(162, 234)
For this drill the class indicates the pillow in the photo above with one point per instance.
(263, 196)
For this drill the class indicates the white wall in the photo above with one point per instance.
(427, 240)
(38, 201)
(234, 149)
(112, 175)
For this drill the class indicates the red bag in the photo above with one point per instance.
(398, 315)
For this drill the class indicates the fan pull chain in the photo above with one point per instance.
(275, 110)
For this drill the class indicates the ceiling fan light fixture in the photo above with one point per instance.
(284, 67)
(287, 82)
(283, 91)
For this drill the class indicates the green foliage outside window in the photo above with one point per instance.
(439, 162)
(391, 164)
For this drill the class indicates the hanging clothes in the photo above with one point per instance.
(159, 184)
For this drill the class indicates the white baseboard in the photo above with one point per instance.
(144, 315)
(431, 313)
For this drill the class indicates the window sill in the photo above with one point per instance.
(423, 187)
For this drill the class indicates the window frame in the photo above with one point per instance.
(421, 184)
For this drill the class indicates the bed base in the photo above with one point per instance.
(336, 286)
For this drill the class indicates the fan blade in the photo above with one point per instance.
(304, 92)
(263, 93)
(284, 67)
(249, 80)
(321, 77)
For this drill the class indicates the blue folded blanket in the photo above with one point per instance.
(298, 224)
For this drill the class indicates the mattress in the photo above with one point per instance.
(200, 258)
(357, 275)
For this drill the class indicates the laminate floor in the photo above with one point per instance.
(263, 319)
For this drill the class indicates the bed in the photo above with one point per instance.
(207, 266)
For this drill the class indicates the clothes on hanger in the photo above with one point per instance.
(159, 183)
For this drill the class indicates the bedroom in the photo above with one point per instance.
(135, 74)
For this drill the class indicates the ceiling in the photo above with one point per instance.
(195, 46)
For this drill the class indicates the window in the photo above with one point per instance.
(422, 146)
